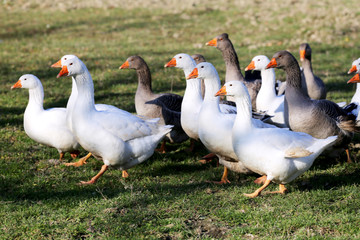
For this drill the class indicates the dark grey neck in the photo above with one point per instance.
(306, 64)
(144, 78)
(293, 75)
(232, 62)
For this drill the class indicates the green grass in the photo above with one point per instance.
(167, 197)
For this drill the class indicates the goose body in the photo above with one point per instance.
(278, 154)
(120, 141)
(267, 100)
(252, 81)
(166, 106)
(355, 67)
(45, 126)
(311, 84)
(319, 118)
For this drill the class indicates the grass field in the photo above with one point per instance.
(168, 196)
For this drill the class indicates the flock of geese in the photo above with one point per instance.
(280, 143)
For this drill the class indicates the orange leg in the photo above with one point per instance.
(125, 174)
(94, 179)
(162, 148)
(61, 156)
(224, 179)
(75, 154)
(260, 180)
(192, 145)
(348, 156)
(208, 158)
(282, 189)
(81, 161)
(258, 191)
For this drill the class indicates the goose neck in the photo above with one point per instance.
(36, 97)
(144, 79)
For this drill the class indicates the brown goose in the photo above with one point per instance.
(198, 58)
(311, 84)
(319, 118)
(166, 106)
(252, 81)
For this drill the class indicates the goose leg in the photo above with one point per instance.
(75, 154)
(192, 145)
(282, 189)
(162, 148)
(61, 156)
(94, 179)
(81, 161)
(224, 179)
(260, 180)
(125, 174)
(208, 158)
(348, 156)
(258, 191)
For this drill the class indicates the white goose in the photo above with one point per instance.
(48, 126)
(267, 99)
(214, 126)
(276, 153)
(355, 67)
(120, 141)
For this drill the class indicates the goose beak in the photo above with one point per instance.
(57, 64)
(63, 72)
(17, 84)
(251, 66)
(302, 55)
(193, 74)
(171, 63)
(125, 65)
(212, 43)
(272, 64)
(221, 92)
(355, 79)
(352, 69)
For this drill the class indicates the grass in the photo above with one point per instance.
(167, 197)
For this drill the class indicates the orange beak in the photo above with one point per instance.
(352, 69)
(212, 43)
(193, 74)
(302, 55)
(17, 84)
(221, 92)
(272, 64)
(125, 65)
(171, 63)
(63, 72)
(355, 79)
(57, 64)
(251, 66)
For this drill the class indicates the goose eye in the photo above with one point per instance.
(70, 64)
(180, 57)
(64, 58)
(279, 56)
(202, 66)
(258, 60)
(230, 85)
(220, 39)
(24, 79)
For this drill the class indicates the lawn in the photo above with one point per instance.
(168, 196)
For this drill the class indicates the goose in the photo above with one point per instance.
(119, 141)
(166, 106)
(312, 85)
(319, 118)
(70, 108)
(193, 98)
(233, 71)
(277, 154)
(199, 59)
(214, 126)
(267, 100)
(355, 67)
(48, 126)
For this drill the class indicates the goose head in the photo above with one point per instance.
(27, 81)
(71, 66)
(221, 42)
(232, 88)
(305, 51)
(203, 71)
(282, 59)
(64, 58)
(355, 66)
(133, 62)
(182, 61)
(198, 58)
(258, 63)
